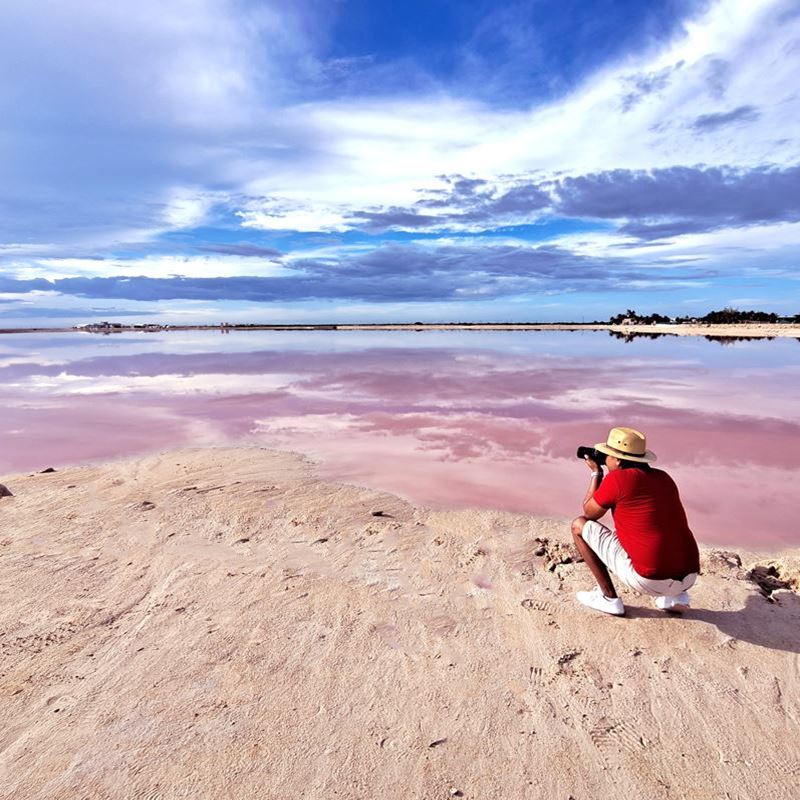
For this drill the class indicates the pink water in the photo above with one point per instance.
(447, 419)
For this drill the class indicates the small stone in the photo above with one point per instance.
(437, 742)
(565, 658)
(768, 577)
(46, 470)
(456, 792)
(540, 551)
(5, 491)
(724, 560)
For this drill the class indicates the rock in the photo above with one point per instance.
(565, 658)
(456, 792)
(5, 491)
(769, 578)
(47, 470)
(556, 554)
(437, 742)
(726, 559)
(380, 514)
(780, 596)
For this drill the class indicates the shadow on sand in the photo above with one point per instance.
(774, 624)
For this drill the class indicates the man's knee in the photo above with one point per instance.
(577, 526)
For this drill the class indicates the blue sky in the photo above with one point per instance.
(241, 160)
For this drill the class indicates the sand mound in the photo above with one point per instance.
(220, 623)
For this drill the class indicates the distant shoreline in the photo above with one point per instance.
(733, 330)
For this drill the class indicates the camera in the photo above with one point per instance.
(595, 455)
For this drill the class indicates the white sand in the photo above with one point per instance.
(756, 330)
(221, 624)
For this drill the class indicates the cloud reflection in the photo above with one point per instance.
(462, 424)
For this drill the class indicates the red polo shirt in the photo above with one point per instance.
(650, 522)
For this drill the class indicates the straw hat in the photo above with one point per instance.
(627, 444)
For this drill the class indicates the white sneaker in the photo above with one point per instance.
(676, 604)
(599, 602)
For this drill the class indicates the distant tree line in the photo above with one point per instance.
(640, 319)
(725, 316)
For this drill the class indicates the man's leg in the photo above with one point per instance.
(598, 568)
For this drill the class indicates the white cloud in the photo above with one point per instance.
(163, 384)
(291, 215)
(176, 107)
(724, 245)
(113, 109)
(187, 208)
(153, 267)
(380, 152)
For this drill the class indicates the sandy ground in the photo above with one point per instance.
(222, 624)
(742, 330)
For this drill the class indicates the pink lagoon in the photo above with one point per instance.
(447, 419)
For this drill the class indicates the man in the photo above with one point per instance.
(652, 550)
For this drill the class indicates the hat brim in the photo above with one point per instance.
(648, 457)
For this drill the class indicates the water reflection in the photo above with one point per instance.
(460, 418)
(630, 336)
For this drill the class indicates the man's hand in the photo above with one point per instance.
(593, 465)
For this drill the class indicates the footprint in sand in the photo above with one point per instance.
(730, 694)
(538, 676)
(441, 625)
(589, 708)
(470, 555)
(389, 633)
(611, 737)
(538, 605)
(786, 773)
(60, 703)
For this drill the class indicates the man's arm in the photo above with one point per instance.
(591, 508)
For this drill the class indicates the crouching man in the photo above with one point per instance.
(652, 550)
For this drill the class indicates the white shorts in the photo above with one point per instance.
(609, 549)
